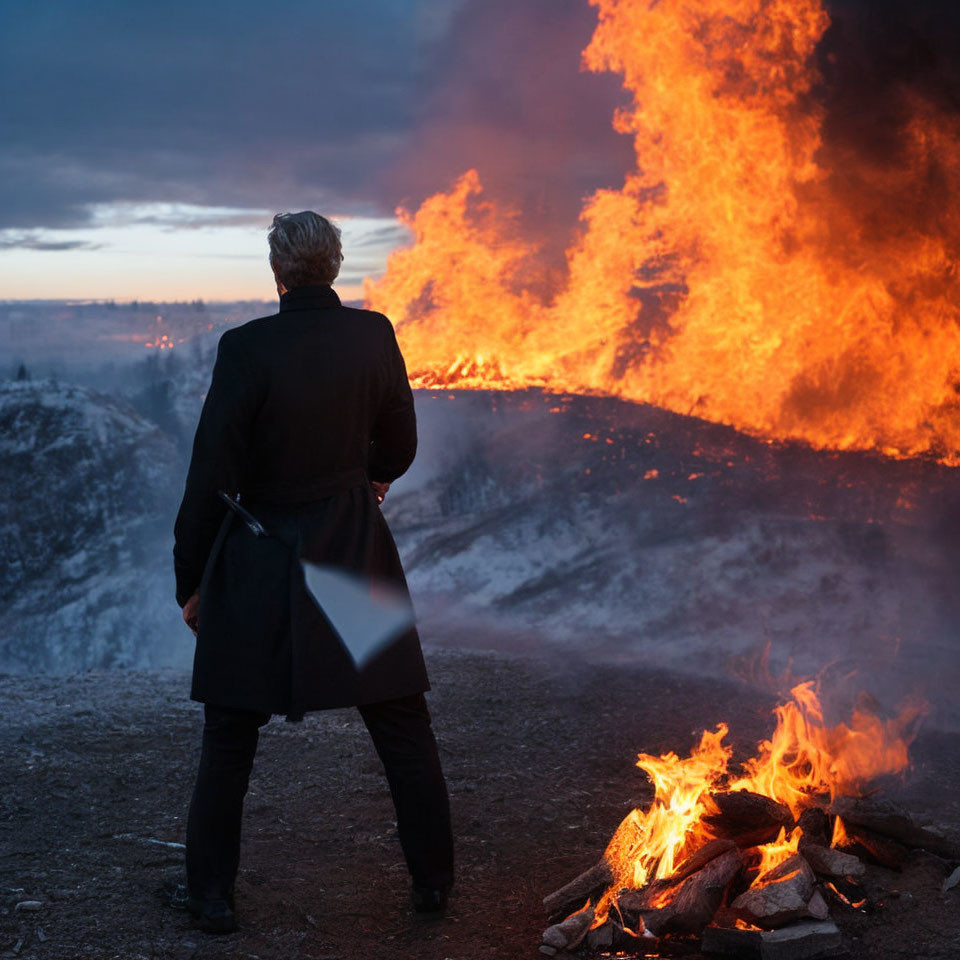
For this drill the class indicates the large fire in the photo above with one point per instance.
(736, 275)
(806, 762)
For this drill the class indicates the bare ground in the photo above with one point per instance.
(539, 758)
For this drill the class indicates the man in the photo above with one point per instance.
(308, 419)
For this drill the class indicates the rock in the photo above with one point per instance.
(818, 906)
(811, 940)
(952, 880)
(28, 906)
(548, 951)
(831, 863)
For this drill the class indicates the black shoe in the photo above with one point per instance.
(430, 903)
(213, 916)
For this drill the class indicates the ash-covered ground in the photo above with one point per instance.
(97, 768)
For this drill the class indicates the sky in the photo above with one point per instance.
(144, 148)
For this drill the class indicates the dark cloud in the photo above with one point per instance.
(355, 107)
(243, 104)
(350, 108)
(505, 94)
(14, 241)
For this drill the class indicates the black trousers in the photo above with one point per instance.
(404, 740)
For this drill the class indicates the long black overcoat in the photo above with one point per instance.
(304, 409)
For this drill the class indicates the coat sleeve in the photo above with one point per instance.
(217, 463)
(393, 442)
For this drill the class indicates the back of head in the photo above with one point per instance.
(304, 249)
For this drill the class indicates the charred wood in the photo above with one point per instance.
(831, 863)
(588, 886)
(749, 819)
(815, 825)
(888, 819)
(700, 858)
(637, 900)
(611, 936)
(875, 847)
(694, 901)
(569, 934)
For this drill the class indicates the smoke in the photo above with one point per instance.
(505, 95)
(890, 71)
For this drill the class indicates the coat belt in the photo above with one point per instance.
(303, 491)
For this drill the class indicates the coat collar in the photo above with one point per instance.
(309, 298)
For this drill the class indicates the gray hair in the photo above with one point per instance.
(304, 249)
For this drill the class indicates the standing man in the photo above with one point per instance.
(309, 418)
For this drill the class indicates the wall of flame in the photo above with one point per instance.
(744, 273)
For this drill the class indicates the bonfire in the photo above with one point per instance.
(755, 855)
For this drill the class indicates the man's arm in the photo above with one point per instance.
(217, 463)
(394, 440)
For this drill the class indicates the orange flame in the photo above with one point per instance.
(773, 854)
(804, 762)
(729, 277)
(650, 843)
(840, 836)
(804, 758)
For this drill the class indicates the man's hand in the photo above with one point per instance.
(380, 489)
(190, 612)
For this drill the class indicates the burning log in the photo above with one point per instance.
(695, 900)
(748, 819)
(850, 896)
(589, 885)
(831, 863)
(811, 940)
(875, 847)
(781, 896)
(699, 859)
(815, 826)
(637, 900)
(883, 817)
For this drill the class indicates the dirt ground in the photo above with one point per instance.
(96, 768)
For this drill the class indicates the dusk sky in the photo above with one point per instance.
(145, 147)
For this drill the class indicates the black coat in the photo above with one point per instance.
(304, 409)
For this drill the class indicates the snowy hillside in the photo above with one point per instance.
(88, 489)
(581, 526)
(623, 531)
